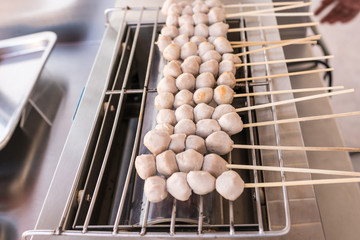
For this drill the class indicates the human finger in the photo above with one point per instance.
(324, 4)
(350, 16)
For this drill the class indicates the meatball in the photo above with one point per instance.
(218, 29)
(202, 111)
(204, 47)
(197, 39)
(205, 127)
(185, 126)
(163, 41)
(166, 5)
(174, 9)
(230, 185)
(227, 78)
(172, 20)
(187, 10)
(165, 127)
(186, 19)
(190, 160)
(181, 39)
(212, 54)
(222, 45)
(145, 166)
(205, 80)
(213, 3)
(167, 84)
(185, 81)
(172, 52)
(190, 65)
(177, 143)
(216, 14)
(195, 142)
(231, 123)
(183, 97)
(219, 142)
(188, 49)
(200, 8)
(178, 187)
(164, 100)
(201, 30)
(223, 94)
(214, 164)
(211, 66)
(155, 189)
(232, 57)
(184, 112)
(201, 182)
(170, 31)
(227, 66)
(200, 18)
(187, 29)
(157, 141)
(203, 95)
(166, 163)
(166, 116)
(172, 69)
(222, 110)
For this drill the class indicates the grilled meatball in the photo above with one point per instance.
(185, 126)
(187, 29)
(155, 189)
(167, 84)
(227, 66)
(219, 142)
(231, 123)
(166, 116)
(227, 78)
(203, 95)
(170, 31)
(184, 4)
(195, 142)
(212, 54)
(184, 112)
(202, 111)
(204, 80)
(164, 100)
(223, 94)
(232, 57)
(216, 14)
(201, 182)
(197, 39)
(200, 18)
(186, 19)
(188, 49)
(211, 39)
(200, 8)
(211, 66)
(222, 45)
(201, 30)
(190, 160)
(205, 127)
(218, 29)
(163, 41)
(230, 185)
(145, 166)
(172, 69)
(172, 20)
(187, 10)
(166, 163)
(166, 5)
(178, 187)
(221, 110)
(177, 143)
(204, 47)
(185, 81)
(183, 97)
(214, 164)
(172, 52)
(181, 39)
(190, 65)
(213, 3)
(157, 141)
(165, 127)
(174, 9)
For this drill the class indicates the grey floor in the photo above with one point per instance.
(343, 41)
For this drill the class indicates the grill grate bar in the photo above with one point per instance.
(231, 209)
(201, 216)
(173, 218)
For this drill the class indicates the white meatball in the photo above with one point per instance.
(155, 189)
(196, 58)
(204, 47)
(183, 97)
(164, 100)
(185, 81)
(195, 142)
(187, 10)
(232, 57)
(190, 65)
(166, 163)
(211, 39)
(205, 79)
(184, 112)
(196, 2)
(216, 14)
(213, 3)
(181, 39)
(172, 20)
(227, 78)
(200, 8)
(167, 84)
(177, 143)
(200, 18)
(157, 141)
(174, 9)
(211, 66)
(205, 127)
(231, 123)
(170, 31)
(188, 49)
(212, 54)
(218, 29)
(227, 66)
(197, 39)
(165, 127)
(223, 94)
(221, 110)
(222, 45)
(202, 111)
(145, 166)
(203, 95)
(201, 182)
(172, 69)
(219, 142)
(189, 160)
(178, 187)
(186, 19)
(187, 29)
(201, 30)
(230, 185)
(184, 4)
(166, 5)
(163, 41)
(166, 116)
(172, 52)
(214, 164)
(185, 126)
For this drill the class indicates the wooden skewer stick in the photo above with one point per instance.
(303, 119)
(260, 4)
(286, 74)
(296, 25)
(294, 100)
(266, 43)
(292, 14)
(284, 61)
(246, 43)
(297, 148)
(302, 182)
(286, 43)
(268, 10)
(288, 91)
(296, 170)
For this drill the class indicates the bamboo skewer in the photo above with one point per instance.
(246, 43)
(286, 43)
(287, 7)
(261, 4)
(284, 61)
(251, 44)
(288, 91)
(295, 170)
(298, 148)
(315, 96)
(290, 14)
(303, 119)
(286, 74)
(302, 182)
(296, 25)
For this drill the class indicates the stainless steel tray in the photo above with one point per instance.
(21, 62)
